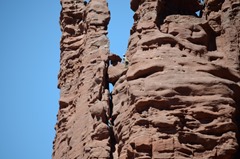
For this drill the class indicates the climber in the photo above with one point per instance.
(125, 60)
(110, 125)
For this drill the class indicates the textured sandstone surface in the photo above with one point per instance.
(178, 98)
(81, 131)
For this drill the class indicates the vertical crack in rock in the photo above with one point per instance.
(179, 96)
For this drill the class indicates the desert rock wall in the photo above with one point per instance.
(178, 97)
(81, 131)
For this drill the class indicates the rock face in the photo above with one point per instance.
(179, 96)
(81, 131)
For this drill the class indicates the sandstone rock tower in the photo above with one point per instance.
(179, 96)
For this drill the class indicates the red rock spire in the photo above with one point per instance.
(81, 129)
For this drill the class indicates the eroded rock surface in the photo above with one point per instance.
(179, 96)
(81, 130)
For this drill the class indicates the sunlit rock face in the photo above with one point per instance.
(177, 98)
(81, 131)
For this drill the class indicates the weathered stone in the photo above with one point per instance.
(179, 96)
(82, 116)
(114, 59)
(181, 85)
(115, 72)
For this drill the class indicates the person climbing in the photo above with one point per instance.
(125, 60)
(110, 125)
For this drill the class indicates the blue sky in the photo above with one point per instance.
(29, 53)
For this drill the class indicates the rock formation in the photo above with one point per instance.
(81, 131)
(179, 96)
